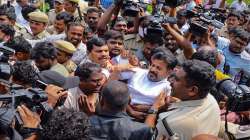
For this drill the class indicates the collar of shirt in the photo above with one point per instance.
(81, 46)
(190, 103)
(41, 35)
(113, 114)
(243, 55)
(138, 38)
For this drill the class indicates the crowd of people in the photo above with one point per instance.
(123, 70)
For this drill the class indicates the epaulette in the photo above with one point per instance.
(129, 36)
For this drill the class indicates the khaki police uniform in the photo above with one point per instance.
(133, 42)
(69, 48)
(190, 118)
(38, 17)
(52, 13)
(18, 28)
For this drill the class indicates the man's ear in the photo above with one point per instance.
(193, 91)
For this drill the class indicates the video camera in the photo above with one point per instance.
(5, 68)
(238, 96)
(154, 26)
(202, 19)
(130, 8)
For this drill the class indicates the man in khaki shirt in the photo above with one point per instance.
(8, 16)
(64, 54)
(44, 55)
(133, 42)
(233, 19)
(38, 22)
(52, 13)
(194, 111)
(70, 6)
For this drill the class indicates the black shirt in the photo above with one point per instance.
(118, 126)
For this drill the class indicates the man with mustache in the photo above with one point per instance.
(85, 96)
(38, 22)
(233, 20)
(98, 52)
(59, 25)
(114, 41)
(145, 85)
(74, 34)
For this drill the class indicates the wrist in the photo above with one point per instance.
(153, 110)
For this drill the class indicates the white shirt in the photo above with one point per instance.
(80, 54)
(19, 17)
(144, 91)
(190, 118)
(72, 99)
(185, 28)
(239, 6)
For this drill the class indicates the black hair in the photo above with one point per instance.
(26, 10)
(19, 44)
(72, 24)
(182, 13)
(66, 124)
(167, 57)
(200, 74)
(85, 70)
(43, 50)
(8, 30)
(240, 32)
(234, 13)
(8, 11)
(93, 10)
(153, 38)
(99, 42)
(116, 95)
(65, 16)
(24, 72)
(112, 34)
(209, 56)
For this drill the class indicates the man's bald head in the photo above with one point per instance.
(208, 54)
(205, 137)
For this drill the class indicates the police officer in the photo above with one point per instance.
(53, 12)
(71, 6)
(64, 54)
(38, 22)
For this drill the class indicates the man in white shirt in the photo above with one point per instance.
(196, 111)
(146, 85)
(74, 35)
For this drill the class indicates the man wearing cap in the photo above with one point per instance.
(38, 22)
(44, 55)
(58, 5)
(71, 6)
(64, 53)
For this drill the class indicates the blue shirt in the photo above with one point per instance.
(106, 3)
(237, 62)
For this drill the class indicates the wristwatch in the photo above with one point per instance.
(152, 111)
